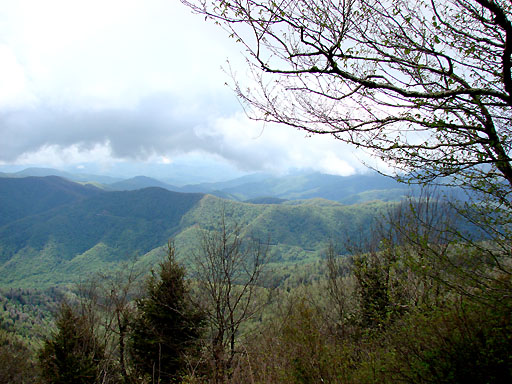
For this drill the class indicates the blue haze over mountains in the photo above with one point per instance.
(299, 185)
(54, 230)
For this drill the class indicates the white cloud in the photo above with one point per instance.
(159, 130)
(133, 80)
(13, 83)
(78, 51)
(253, 145)
(59, 156)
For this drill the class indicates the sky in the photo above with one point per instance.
(135, 85)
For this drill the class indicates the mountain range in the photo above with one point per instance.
(296, 186)
(56, 231)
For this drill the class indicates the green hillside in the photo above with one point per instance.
(21, 197)
(66, 242)
(297, 231)
(346, 189)
(49, 247)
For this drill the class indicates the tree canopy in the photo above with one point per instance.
(424, 85)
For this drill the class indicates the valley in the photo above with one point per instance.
(55, 231)
(301, 285)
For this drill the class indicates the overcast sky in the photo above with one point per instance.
(128, 81)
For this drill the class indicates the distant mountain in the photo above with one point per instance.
(64, 243)
(266, 200)
(41, 172)
(22, 197)
(55, 231)
(132, 221)
(140, 182)
(79, 177)
(300, 185)
(222, 185)
(346, 189)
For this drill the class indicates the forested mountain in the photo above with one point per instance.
(55, 231)
(344, 189)
(58, 236)
(296, 186)
(21, 197)
(139, 182)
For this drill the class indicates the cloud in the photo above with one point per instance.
(13, 83)
(117, 51)
(253, 145)
(165, 126)
(156, 125)
(133, 80)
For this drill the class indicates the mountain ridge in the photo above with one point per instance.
(296, 186)
(66, 241)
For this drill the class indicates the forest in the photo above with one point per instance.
(410, 303)
(421, 295)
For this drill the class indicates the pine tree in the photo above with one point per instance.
(72, 355)
(167, 326)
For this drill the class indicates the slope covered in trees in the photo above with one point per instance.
(404, 310)
(64, 242)
(22, 197)
(420, 301)
(344, 189)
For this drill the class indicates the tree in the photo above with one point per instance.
(17, 365)
(228, 269)
(426, 85)
(447, 251)
(73, 354)
(119, 293)
(108, 301)
(168, 326)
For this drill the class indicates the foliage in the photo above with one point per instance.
(308, 357)
(67, 243)
(387, 315)
(128, 222)
(17, 365)
(72, 354)
(28, 312)
(228, 268)
(21, 197)
(304, 339)
(411, 304)
(466, 343)
(424, 85)
(108, 302)
(167, 326)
